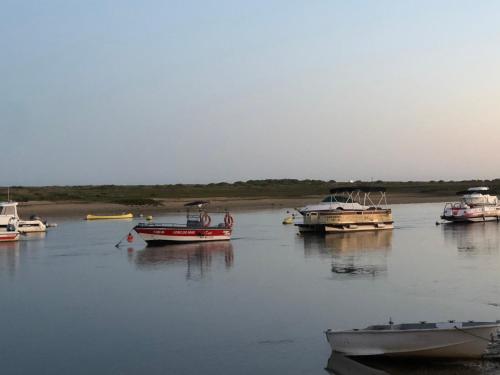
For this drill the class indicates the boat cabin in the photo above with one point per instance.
(479, 196)
(8, 209)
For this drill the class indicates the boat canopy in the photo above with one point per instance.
(477, 190)
(363, 189)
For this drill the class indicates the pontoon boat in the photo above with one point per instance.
(348, 209)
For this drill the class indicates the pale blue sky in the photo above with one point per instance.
(144, 92)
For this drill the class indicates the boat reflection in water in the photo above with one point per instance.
(475, 238)
(9, 257)
(198, 257)
(13, 254)
(354, 254)
(339, 364)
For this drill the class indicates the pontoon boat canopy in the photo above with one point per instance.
(363, 189)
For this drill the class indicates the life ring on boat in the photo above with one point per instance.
(228, 220)
(206, 219)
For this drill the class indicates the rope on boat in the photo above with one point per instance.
(472, 334)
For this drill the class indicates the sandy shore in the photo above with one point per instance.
(78, 209)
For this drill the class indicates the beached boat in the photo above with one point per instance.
(9, 222)
(348, 209)
(109, 217)
(478, 204)
(198, 228)
(439, 340)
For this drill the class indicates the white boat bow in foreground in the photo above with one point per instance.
(439, 340)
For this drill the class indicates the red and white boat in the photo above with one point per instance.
(198, 228)
(478, 204)
(9, 222)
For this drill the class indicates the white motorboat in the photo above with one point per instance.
(9, 222)
(478, 204)
(32, 226)
(439, 340)
(348, 209)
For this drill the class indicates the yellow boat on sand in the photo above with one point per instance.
(110, 217)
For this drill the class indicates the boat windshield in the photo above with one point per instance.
(335, 198)
(8, 210)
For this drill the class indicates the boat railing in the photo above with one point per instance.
(149, 225)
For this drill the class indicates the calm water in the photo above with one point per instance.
(71, 303)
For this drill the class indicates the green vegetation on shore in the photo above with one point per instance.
(284, 188)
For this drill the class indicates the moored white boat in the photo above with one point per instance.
(478, 204)
(8, 222)
(33, 225)
(439, 340)
(198, 228)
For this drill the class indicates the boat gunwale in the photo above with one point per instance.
(176, 226)
(373, 331)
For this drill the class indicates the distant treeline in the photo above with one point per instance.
(286, 188)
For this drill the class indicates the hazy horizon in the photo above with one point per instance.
(165, 92)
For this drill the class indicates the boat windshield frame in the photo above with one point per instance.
(361, 195)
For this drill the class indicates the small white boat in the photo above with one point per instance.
(34, 225)
(478, 204)
(433, 340)
(8, 222)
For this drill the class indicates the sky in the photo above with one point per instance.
(157, 92)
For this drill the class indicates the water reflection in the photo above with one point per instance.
(353, 254)
(473, 238)
(198, 257)
(341, 365)
(9, 257)
(12, 254)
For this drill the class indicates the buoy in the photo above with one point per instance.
(228, 220)
(149, 217)
(130, 238)
(206, 220)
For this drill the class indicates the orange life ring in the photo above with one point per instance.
(206, 220)
(228, 220)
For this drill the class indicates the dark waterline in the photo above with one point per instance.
(74, 304)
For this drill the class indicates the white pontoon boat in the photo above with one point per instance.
(348, 209)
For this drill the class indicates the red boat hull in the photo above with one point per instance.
(159, 234)
(9, 236)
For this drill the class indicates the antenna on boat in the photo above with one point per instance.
(8, 193)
